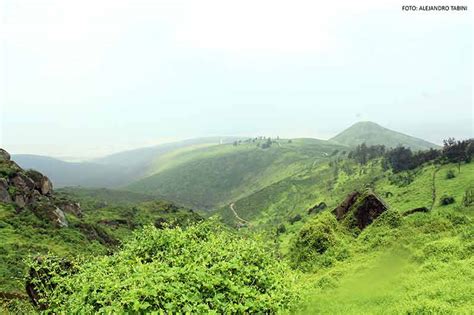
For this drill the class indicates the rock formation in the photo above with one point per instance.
(33, 191)
(358, 210)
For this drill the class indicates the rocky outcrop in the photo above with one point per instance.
(4, 194)
(358, 210)
(317, 208)
(33, 191)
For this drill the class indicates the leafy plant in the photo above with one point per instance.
(202, 269)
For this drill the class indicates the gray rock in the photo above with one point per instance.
(60, 218)
(20, 201)
(4, 194)
(24, 183)
(46, 186)
(72, 207)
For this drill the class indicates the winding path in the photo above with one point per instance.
(231, 206)
(433, 187)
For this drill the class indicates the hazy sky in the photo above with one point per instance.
(89, 77)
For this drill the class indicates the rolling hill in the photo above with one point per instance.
(64, 173)
(111, 171)
(209, 173)
(371, 133)
(213, 176)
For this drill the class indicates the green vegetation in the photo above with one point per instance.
(210, 177)
(201, 269)
(404, 246)
(98, 231)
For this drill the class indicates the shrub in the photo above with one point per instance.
(450, 174)
(319, 241)
(281, 229)
(446, 200)
(294, 219)
(205, 268)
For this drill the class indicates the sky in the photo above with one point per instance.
(88, 78)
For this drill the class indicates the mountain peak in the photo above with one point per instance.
(372, 133)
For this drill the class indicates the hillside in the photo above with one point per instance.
(209, 173)
(36, 219)
(371, 134)
(330, 182)
(111, 171)
(87, 174)
(211, 177)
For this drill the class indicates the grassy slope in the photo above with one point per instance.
(424, 265)
(330, 184)
(214, 176)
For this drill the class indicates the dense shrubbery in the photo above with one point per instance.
(202, 269)
(446, 200)
(319, 242)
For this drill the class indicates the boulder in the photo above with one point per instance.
(358, 210)
(46, 186)
(59, 218)
(4, 194)
(20, 201)
(4, 155)
(23, 183)
(72, 207)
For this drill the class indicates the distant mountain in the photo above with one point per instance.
(371, 133)
(64, 173)
(111, 171)
(144, 156)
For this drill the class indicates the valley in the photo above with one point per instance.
(253, 225)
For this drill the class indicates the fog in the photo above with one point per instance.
(87, 78)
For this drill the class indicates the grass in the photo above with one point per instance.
(215, 176)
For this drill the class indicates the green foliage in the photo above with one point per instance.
(450, 174)
(201, 269)
(213, 177)
(446, 200)
(319, 242)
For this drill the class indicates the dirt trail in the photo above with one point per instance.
(231, 206)
(433, 188)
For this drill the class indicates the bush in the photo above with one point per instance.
(446, 200)
(318, 242)
(450, 174)
(294, 219)
(281, 229)
(205, 268)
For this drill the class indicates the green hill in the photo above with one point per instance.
(287, 259)
(36, 220)
(111, 171)
(330, 182)
(213, 176)
(371, 134)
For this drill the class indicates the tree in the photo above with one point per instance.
(457, 151)
(400, 159)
